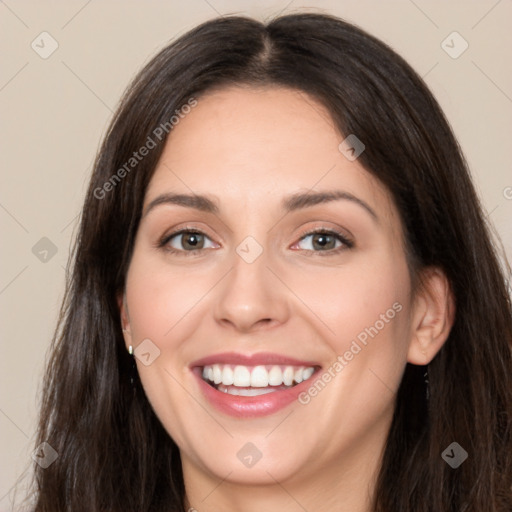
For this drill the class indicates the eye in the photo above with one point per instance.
(323, 240)
(189, 242)
(186, 241)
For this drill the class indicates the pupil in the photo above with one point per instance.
(192, 239)
(322, 240)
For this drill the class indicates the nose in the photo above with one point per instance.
(252, 297)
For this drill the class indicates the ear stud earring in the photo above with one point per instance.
(130, 347)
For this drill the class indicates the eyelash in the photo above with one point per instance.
(347, 243)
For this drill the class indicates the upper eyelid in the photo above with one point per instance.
(183, 230)
(309, 232)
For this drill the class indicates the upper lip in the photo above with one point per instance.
(260, 358)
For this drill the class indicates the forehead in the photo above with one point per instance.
(259, 144)
(270, 124)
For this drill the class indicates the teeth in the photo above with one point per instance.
(275, 376)
(233, 390)
(288, 376)
(260, 376)
(306, 374)
(217, 374)
(241, 376)
(227, 376)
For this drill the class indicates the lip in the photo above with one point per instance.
(262, 358)
(251, 406)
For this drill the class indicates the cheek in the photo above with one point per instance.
(363, 311)
(364, 320)
(162, 299)
(161, 309)
(358, 301)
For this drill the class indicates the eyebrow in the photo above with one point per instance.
(198, 202)
(289, 204)
(306, 200)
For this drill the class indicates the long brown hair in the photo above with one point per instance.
(113, 453)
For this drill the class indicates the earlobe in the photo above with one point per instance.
(433, 316)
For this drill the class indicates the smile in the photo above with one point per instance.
(258, 380)
(247, 386)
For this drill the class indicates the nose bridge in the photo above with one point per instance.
(251, 295)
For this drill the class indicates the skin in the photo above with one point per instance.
(249, 148)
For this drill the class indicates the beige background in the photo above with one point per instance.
(54, 112)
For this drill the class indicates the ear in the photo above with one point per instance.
(432, 318)
(125, 318)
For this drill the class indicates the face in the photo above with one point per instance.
(272, 264)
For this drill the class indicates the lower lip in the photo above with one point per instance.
(250, 406)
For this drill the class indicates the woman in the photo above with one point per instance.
(284, 295)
